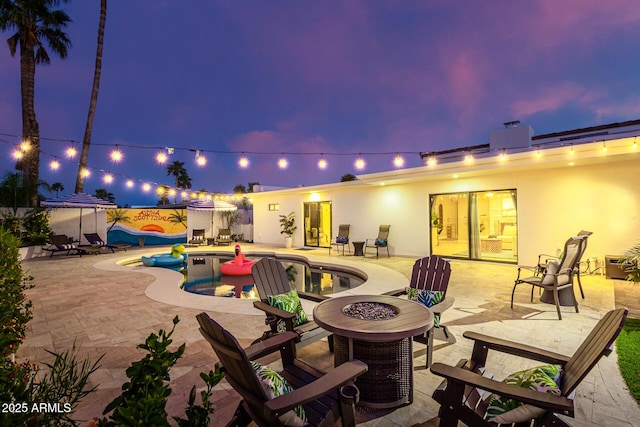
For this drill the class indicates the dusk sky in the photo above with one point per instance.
(333, 77)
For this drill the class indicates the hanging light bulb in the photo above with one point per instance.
(322, 163)
(71, 152)
(538, 154)
(161, 158)
(503, 156)
(85, 173)
(17, 154)
(432, 161)
(200, 159)
(107, 179)
(25, 146)
(183, 194)
(129, 183)
(635, 144)
(116, 155)
(283, 163)
(54, 165)
(146, 187)
(468, 158)
(243, 162)
(571, 151)
(360, 163)
(172, 192)
(604, 147)
(398, 161)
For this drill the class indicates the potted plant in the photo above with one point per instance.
(287, 225)
(631, 264)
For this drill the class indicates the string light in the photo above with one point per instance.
(200, 159)
(54, 165)
(635, 144)
(71, 152)
(116, 155)
(322, 164)
(468, 158)
(398, 161)
(503, 156)
(161, 158)
(85, 173)
(538, 154)
(571, 151)
(17, 154)
(283, 163)
(108, 178)
(432, 161)
(25, 146)
(129, 183)
(243, 162)
(146, 187)
(604, 147)
(360, 164)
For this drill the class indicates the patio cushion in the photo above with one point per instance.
(275, 385)
(67, 246)
(289, 301)
(342, 240)
(543, 378)
(381, 242)
(553, 268)
(428, 298)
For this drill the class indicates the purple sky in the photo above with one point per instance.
(331, 77)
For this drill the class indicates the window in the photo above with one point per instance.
(274, 206)
(476, 225)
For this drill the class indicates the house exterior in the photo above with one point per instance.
(506, 201)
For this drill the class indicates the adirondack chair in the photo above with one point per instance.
(460, 399)
(557, 278)
(431, 273)
(327, 399)
(270, 278)
(342, 239)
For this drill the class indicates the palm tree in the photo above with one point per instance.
(57, 187)
(102, 193)
(86, 142)
(115, 216)
(35, 23)
(183, 181)
(178, 217)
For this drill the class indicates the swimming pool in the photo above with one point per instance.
(202, 276)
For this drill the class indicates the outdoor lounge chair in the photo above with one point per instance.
(557, 278)
(544, 259)
(342, 239)
(461, 398)
(327, 399)
(224, 237)
(431, 274)
(382, 241)
(63, 243)
(270, 279)
(198, 237)
(95, 240)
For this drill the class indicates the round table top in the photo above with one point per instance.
(413, 318)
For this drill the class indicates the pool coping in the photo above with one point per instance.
(166, 286)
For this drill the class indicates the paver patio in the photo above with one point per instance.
(104, 310)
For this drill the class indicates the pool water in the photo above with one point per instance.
(203, 276)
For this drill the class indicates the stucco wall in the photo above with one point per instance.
(553, 204)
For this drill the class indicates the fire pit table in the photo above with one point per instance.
(378, 330)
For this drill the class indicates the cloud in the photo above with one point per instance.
(550, 99)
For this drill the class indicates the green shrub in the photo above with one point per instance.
(144, 396)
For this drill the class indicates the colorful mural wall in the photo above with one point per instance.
(149, 226)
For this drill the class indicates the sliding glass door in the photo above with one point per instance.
(475, 225)
(317, 224)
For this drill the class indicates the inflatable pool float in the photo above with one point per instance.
(239, 266)
(175, 258)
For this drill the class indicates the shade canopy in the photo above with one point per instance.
(78, 200)
(211, 205)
